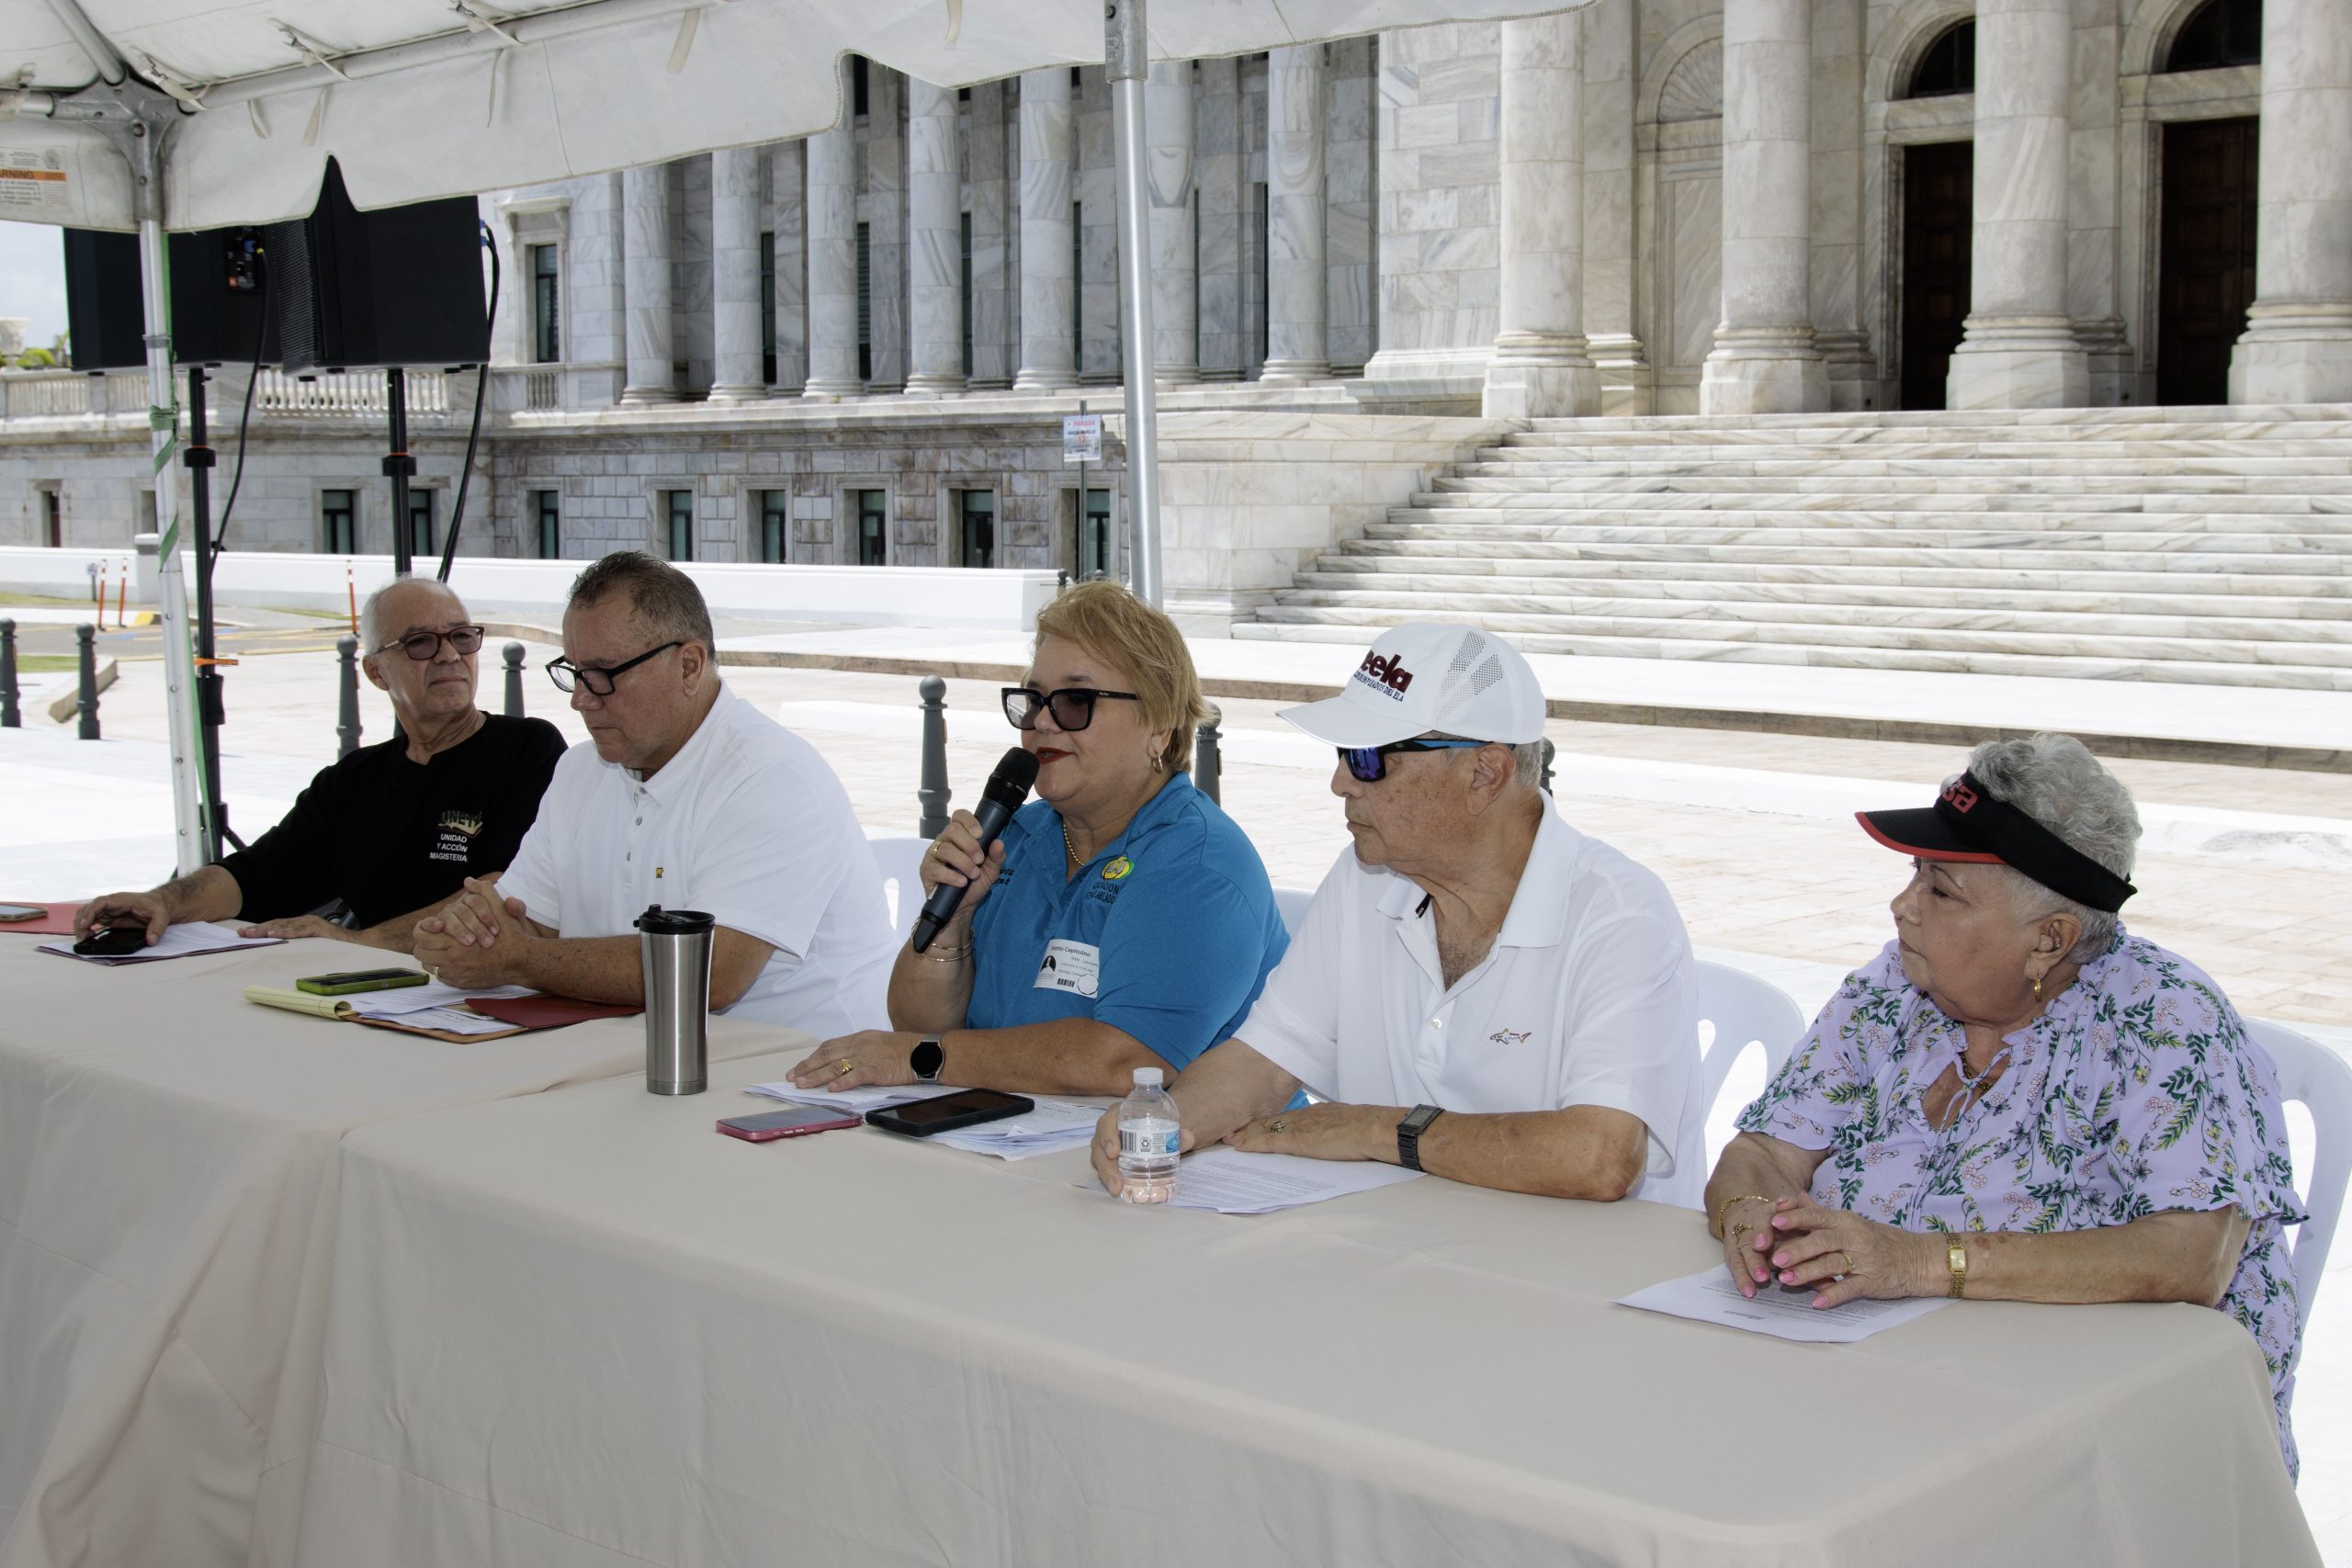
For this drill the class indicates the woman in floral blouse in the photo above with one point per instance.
(2018, 1099)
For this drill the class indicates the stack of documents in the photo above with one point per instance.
(1055, 1125)
(1227, 1181)
(434, 1006)
(858, 1099)
(1709, 1296)
(185, 939)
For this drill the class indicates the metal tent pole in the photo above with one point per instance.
(1127, 53)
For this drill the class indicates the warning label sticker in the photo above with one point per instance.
(32, 183)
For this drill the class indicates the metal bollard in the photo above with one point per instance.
(932, 792)
(86, 650)
(346, 724)
(1550, 751)
(513, 655)
(1208, 762)
(8, 720)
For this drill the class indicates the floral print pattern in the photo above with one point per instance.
(2136, 1091)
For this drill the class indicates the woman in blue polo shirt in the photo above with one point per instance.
(1122, 921)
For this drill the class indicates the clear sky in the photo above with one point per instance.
(32, 278)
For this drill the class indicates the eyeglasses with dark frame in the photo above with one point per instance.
(1074, 705)
(599, 680)
(1368, 764)
(422, 646)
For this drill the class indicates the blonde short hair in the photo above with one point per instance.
(1114, 625)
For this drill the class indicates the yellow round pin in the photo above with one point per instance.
(1117, 869)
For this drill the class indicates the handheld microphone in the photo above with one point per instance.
(1007, 788)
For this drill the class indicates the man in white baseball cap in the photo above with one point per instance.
(1478, 991)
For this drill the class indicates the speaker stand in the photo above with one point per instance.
(210, 711)
(399, 467)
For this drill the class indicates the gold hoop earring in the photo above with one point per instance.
(1158, 762)
(2037, 987)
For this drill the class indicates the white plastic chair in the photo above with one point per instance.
(898, 859)
(2311, 1073)
(1746, 1010)
(1293, 903)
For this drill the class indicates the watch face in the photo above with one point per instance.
(1422, 1116)
(925, 1059)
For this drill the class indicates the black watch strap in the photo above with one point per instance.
(1409, 1134)
(926, 1059)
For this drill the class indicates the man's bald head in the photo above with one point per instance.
(406, 604)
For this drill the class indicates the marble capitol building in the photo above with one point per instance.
(2013, 336)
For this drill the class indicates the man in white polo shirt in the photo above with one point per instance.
(688, 797)
(1477, 990)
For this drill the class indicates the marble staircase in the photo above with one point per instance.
(2193, 545)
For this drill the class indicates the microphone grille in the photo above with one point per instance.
(1015, 773)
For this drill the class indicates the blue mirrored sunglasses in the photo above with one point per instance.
(1368, 764)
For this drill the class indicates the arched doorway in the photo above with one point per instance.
(1938, 199)
(2205, 243)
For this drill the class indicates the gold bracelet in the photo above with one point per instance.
(1723, 1216)
(1956, 1259)
(955, 954)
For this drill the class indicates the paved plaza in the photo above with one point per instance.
(2246, 874)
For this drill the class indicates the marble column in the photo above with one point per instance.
(1764, 359)
(1168, 162)
(934, 243)
(652, 376)
(2297, 343)
(2019, 349)
(787, 217)
(1217, 191)
(1048, 351)
(1611, 88)
(1297, 274)
(735, 276)
(1541, 368)
(831, 178)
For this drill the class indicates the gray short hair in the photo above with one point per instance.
(660, 595)
(1526, 757)
(371, 609)
(2055, 780)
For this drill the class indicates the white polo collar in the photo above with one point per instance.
(1538, 915)
(665, 785)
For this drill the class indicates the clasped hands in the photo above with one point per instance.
(1795, 1243)
(478, 939)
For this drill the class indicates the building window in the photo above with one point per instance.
(775, 509)
(857, 84)
(864, 302)
(965, 284)
(873, 527)
(53, 518)
(975, 510)
(339, 519)
(768, 308)
(963, 94)
(1075, 81)
(1094, 552)
(547, 337)
(420, 522)
(147, 523)
(549, 515)
(678, 507)
(2221, 33)
(1948, 66)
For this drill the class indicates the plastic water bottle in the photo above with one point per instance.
(1148, 1136)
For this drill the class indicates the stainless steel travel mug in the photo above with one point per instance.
(674, 945)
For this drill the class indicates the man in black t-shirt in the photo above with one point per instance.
(393, 830)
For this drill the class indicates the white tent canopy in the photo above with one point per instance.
(422, 98)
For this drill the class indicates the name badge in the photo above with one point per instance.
(1070, 966)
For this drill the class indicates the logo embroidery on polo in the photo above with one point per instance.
(1387, 676)
(454, 835)
(1117, 869)
(1510, 1036)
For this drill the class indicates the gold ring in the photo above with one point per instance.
(848, 1066)
(1849, 1262)
(1739, 1234)
(1278, 1125)
(432, 973)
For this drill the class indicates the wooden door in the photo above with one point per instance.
(1937, 220)
(2204, 257)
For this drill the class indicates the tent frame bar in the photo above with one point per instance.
(1126, 58)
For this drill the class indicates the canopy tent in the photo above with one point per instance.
(201, 114)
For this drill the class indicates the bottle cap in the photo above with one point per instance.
(1148, 1076)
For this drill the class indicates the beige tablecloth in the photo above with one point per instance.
(581, 1330)
(167, 1153)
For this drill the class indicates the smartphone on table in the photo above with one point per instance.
(351, 980)
(13, 912)
(945, 1113)
(792, 1123)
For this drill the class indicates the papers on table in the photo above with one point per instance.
(1055, 1124)
(875, 1097)
(1228, 1181)
(1709, 1296)
(184, 941)
(434, 1006)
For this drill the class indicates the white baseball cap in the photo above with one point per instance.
(1418, 679)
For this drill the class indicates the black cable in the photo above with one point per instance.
(245, 419)
(481, 392)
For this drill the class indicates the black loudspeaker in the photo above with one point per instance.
(346, 289)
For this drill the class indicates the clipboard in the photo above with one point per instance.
(522, 1015)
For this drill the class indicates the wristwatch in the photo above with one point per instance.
(926, 1057)
(1409, 1134)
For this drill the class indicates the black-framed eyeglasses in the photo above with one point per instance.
(599, 680)
(1074, 705)
(1369, 764)
(422, 646)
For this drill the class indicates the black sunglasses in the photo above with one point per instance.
(566, 674)
(1368, 764)
(1074, 705)
(422, 646)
